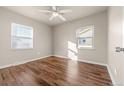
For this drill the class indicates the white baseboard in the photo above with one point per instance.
(25, 61)
(111, 76)
(92, 62)
(22, 62)
(85, 61)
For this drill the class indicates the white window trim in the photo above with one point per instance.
(32, 37)
(93, 28)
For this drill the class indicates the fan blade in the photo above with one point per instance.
(54, 8)
(61, 17)
(45, 11)
(51, 18)
(65, 11)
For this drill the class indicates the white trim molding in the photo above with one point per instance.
(111, 76)
(26, 61)
(92, 62)
(85, 61)
(22, 62)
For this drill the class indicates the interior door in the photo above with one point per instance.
(120, 48)
(116, 44)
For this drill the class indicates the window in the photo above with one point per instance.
(85, 37)
(21, 36)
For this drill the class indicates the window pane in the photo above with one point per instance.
(22, 43)
(85, 41)
(22, 36)
(86, 33)
(85, 37)
(22, 31)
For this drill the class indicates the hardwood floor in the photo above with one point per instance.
(55, 71)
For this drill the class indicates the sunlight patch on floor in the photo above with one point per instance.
(72, 51)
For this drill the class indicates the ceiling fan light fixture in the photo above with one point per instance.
(55, 14)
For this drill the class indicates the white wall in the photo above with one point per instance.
(65, 34)
(42, 39)
(116, 59)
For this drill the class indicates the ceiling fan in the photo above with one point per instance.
(56, 12)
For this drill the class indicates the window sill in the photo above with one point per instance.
(86, 48)
(22, 49)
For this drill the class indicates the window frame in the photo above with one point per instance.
(77, 41)
(12, 37)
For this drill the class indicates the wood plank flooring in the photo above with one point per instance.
(55, 71)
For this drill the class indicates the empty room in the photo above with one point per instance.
(61, 45)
